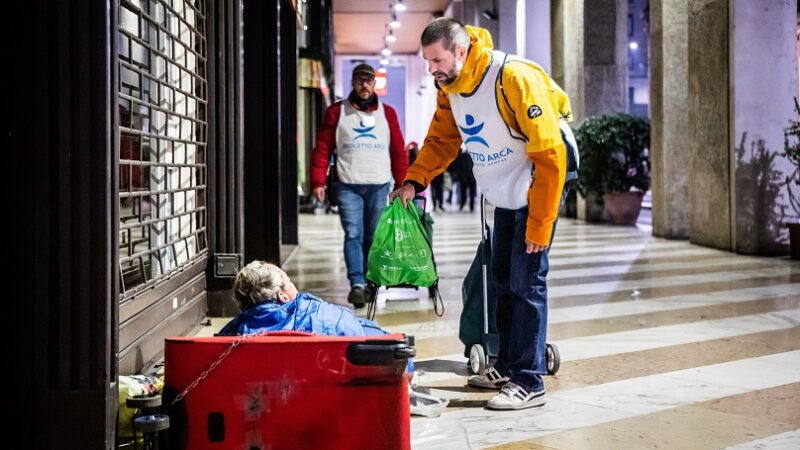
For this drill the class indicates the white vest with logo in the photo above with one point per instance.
(500, 161)
(362, 146)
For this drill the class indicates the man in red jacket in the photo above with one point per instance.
(365, 135)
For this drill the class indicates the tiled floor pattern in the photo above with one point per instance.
(664, 344)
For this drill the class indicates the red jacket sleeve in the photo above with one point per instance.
(397, 147)
(326, 143)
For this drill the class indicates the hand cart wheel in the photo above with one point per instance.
(477, 359)
(553, 359)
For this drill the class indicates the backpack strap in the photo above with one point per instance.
(569, 143)
(521, 136)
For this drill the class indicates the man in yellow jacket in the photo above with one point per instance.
(508, 114)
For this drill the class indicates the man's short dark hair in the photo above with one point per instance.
(450, 31)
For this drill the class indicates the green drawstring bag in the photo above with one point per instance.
(401, 250)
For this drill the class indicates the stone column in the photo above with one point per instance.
(669, 143)
(589, 60)
(742, 78)
(566, 23)
(605, 56)
(567, 50)
(709, 139)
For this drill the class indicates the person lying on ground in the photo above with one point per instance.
(269, 301)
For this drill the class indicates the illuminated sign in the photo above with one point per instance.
(381, 85)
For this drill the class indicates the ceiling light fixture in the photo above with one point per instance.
(391, 37)
(394, 23)
(382, 70)
(385, 61)
(399, 6)
(386, 51)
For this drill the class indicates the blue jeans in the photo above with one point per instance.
(520, 280)
(360, 207)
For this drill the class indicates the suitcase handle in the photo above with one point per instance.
(405, 353)
(379, 353)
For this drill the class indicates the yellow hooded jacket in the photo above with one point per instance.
(524, 84)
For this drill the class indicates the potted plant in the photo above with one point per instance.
(615, 164)
(791, 150)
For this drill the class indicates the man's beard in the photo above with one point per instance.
(452, 74)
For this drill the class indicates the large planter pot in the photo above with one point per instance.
(623, 207)
(794, 240)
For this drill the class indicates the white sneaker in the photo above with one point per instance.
(489, 379)
(514, 396)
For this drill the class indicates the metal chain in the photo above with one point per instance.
(214, 365)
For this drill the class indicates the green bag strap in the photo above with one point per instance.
(434, 293)
(418, 222)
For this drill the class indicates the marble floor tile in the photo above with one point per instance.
(674, 290)
(655, 269)
(568, 330)
(594, 405)
(695, 303)
(634, 259)
(778, 404)
(673, 428)
(565, 290)
(599, 345)
(667, 359)
(789, 440)
(451, 294)
(450, 372)
(647, 338)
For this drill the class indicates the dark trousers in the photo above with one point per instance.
(520, 280)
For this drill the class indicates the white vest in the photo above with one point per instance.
(362, 146)
(500, 161)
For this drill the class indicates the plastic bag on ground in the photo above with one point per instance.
(427, 405)
(134, 386)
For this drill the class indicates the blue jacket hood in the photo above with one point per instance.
(305, 313)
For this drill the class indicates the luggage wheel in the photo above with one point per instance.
(477, 359)
(553, 359)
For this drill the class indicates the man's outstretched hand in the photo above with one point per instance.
(405, 193)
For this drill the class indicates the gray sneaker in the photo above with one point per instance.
(514, 396)
(489, 379)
